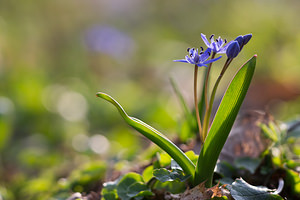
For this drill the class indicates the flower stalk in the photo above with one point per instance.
(206, 81)
(212, 98)
(196, 101)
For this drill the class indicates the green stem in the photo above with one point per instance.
(196, 102)
(205, 94)
(206, 81)
(211, 101)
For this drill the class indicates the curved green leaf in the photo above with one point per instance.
(155, 136)
(223, 122)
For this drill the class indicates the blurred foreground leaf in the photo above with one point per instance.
(82, 180)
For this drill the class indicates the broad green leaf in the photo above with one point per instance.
(139, 189)
(155, 136)
(125, 183)
(165, 175)
(250, 164)
(223, 122)
(241, 190)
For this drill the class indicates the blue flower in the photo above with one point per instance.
(243, 40)
(217, 46)
(236, 46)
(233, 50)
(198, 59)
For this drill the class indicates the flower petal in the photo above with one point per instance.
(215, 47)
(205, 55)
(191, 51)
(205, 40)
(220, 42)
(189, 60)
(182, 60)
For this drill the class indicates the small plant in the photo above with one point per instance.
(199, 169)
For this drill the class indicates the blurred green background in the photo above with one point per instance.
(55, 55)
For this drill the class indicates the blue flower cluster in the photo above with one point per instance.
(199, 59)
(217, 46)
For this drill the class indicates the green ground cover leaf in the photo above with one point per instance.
(241, 190)
(131, 185)
(165, 175)
(139, 189)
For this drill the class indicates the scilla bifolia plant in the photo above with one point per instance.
(212, 136)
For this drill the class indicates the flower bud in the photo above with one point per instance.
(240, 40)
(233, 50)
(243, 39)
(247, 38)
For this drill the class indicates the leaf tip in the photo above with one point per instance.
(99, 94)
